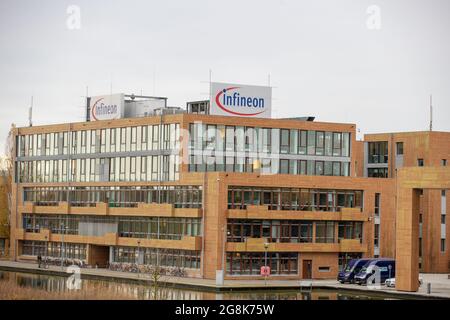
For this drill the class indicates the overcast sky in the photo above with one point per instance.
(328, 58)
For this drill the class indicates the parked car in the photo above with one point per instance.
(391, 282)
(351, 269)
(385, 266)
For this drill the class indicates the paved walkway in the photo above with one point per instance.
(440, 283)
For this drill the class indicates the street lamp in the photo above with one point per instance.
(63, 251)
(266, 246)
(46, 248)
(138, 256)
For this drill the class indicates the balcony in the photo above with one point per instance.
(257, 245)
(186, 243)
(351, 245)
(103, 209)
(112, 239)
(263, 212)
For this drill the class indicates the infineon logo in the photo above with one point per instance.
(106, 107)
(240, 100)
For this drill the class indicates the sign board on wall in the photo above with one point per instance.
(237, 100)
(107, 107)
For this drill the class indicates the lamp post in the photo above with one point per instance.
(63, 251)
(45, 251)
(266, 246)
(138, 257)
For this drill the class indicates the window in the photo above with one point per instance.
(336, 168)
(293, 142)
(346, 144)
(376, 235)
(337, 141)
(443, 218)
(325, 232)
(378, 152)
(319, 168)
(420, 162)
(302, 142)
(324, 269)
(229, 138)
(320, 143)
(284, 143)
(311, 142)
(444, 162)
(399, 148)
(284, 166)
(250, 263)
(442, 245)
(377, 172)
(377, 204)
(350, 230)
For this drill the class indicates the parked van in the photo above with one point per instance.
(386, 267)
(351, 269)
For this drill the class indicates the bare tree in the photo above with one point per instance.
(6, 172)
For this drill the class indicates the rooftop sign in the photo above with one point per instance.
(107, 107)
(240, 100)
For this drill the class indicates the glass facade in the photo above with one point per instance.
(268, 150)
(292, 231)
(179, 196)
(130, 227)
(158, 257)
(250, 263)
(294, 198)
(139, 153)
(53, 249)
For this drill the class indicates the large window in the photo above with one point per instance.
(377, 172)
(127, 227)
(291, 231)
(54, 249)
(157, 257)
(378, 152)
(179, 196)
(250, 263)
(325, 232)
(207, 149)
(294, 198)
(350, 230)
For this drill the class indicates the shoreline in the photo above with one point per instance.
(197, 284)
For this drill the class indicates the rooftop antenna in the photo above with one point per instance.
(30, 113)
(111, 91)
(210, 80)
(431, 112)
(154, 81)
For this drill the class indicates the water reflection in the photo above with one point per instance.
(126, 290)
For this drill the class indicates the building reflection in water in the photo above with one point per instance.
(127, 290)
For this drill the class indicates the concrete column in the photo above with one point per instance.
(407, 243)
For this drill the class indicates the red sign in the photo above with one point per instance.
(265, 271)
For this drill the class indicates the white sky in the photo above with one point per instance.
(323, 59)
